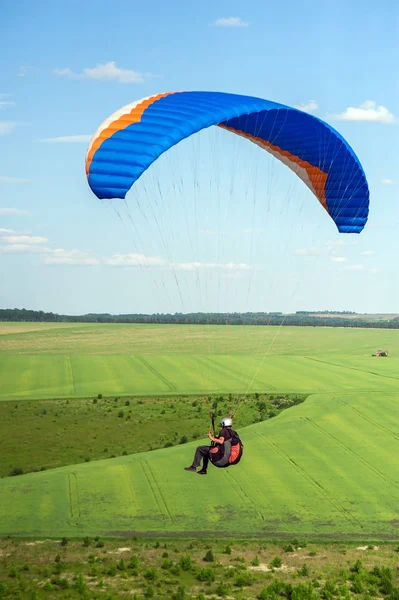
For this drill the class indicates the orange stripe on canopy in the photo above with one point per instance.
(316, 176)
(124, 121)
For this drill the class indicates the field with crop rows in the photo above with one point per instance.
(326, 468)
(58, 360)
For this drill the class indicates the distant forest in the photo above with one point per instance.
(300, 318)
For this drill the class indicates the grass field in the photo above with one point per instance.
(43, 434)
(76, 360)
(326, 468)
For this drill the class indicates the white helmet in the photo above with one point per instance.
(226, 422)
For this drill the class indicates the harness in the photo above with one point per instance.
(232, 449)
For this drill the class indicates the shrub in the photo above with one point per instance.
(357, 567)
(227, 550)
(275, 563)
(357, 585)
(121, 565)
(62, 583)
(209, 556)
(183, 439)
(223, 589)
(180, 594)
(149, 593)
(394, 594)
(95, 400)
(99, 396)
(16, 471)
(207, 575)
(121, 414)
(288, 548)
(80, 584)
(255, 562)
(386, 585)
(304, 570)
(100, 544)
(185, 563)
(329, 590)
(64, 541)
(168, 445)
(86, 542)
(134, 562)
(150, 575)
(243, 580)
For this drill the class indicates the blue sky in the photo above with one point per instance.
(249, 237)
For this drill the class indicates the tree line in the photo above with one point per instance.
(299, 319)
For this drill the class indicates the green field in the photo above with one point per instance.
(46, 360)
(326, 468)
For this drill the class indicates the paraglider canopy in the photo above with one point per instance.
(131, 139)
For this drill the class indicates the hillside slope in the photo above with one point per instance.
(326, 468)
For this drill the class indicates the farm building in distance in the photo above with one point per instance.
(381, 353)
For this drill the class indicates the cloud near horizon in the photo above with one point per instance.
(104, 72)
(14, 212)
(4, 102)
(12, 242)
(6, 179)
(6, 127)
(230, 22)
(68, 139)
(367, 111)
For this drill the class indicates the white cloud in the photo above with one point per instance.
(308, 252)
(107, 71)
(333, 243)
(23, 71)
(14, 242)
(59, 256)
(68, 139)
(360, 268)
(7, 127)
(308, 107)
(329, 249)
(19, 248)
(192, 266)
(4, 103)
(22, 239)
(387, 181)
(230, 22)
(135, 260)
(5, 179)
(367, 253)
(368, 111)
(14, 212)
